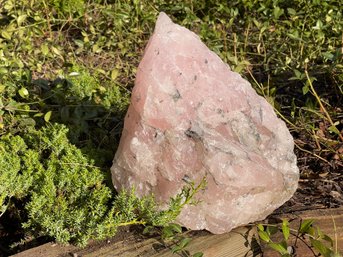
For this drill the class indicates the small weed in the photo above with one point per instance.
(171, 233)
(173, 238)
(318, 241)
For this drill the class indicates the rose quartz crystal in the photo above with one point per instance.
(191, 116)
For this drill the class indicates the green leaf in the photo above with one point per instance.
(311, 231)
(278, 247)
(294, 35)
(305, 226)
(40, 114)
(79, 43)
(56, 51)
(198, 254)
(298, 74)
(285, 229)
(167, 232)
(101, 71)
(3, 70)
(45, 49)
(334, 129)
(264, 236)
(21, 19)
(277, 12)
(328, 56)
(283, 243)
(184, 242)
(291, 11)
(325, 237)
(5, 34)
(305, 89)
(260, 227)
(114, 74)
(23, 92)
(328, 239)
(319, 246)
(256, 22)
(176, 249)
(2, 88)
(175, 227)
(319, 25)
(47, 116)
(148, 229)
(96, 48)
(271, 230)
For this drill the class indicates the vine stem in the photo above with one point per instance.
(134, 222)
(309, 152)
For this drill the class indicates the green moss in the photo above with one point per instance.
(85, 86)
(15, 181)
(69, 7)
(67, 197)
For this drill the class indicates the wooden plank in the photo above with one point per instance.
(237, 243)
(48, 250)
(240, 242)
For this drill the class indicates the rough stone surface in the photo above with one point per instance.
(191, 116)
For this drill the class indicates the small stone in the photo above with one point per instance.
(190, 116)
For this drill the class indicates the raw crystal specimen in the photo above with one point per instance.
(191, 116)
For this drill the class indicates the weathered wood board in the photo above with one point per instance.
(238, 243)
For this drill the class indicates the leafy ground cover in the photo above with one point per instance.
(66, 71)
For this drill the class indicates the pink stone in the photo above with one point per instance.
(191, 116)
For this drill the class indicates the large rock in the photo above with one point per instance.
(190, 117)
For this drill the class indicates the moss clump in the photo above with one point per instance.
(66, 196)
(15, 181)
